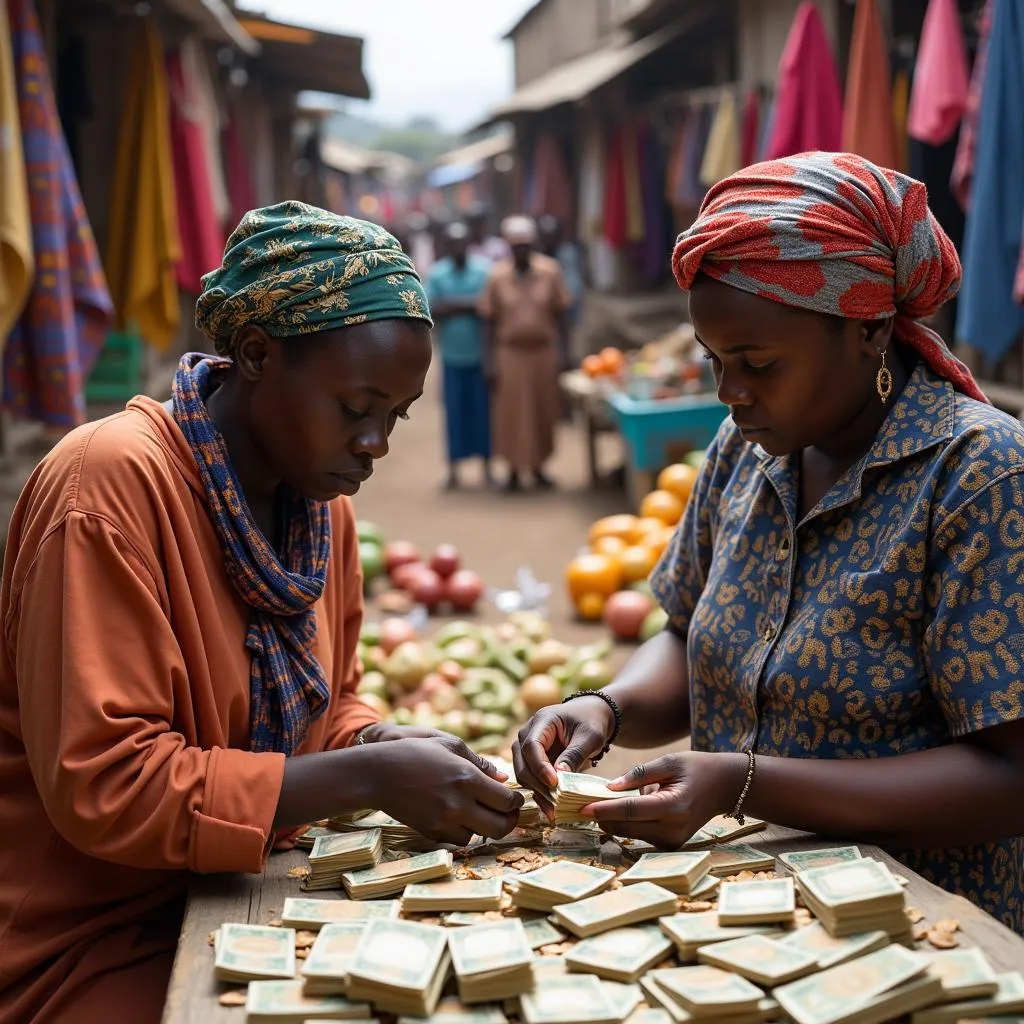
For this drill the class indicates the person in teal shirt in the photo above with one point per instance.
(454, 287)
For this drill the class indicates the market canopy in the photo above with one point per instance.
(308, 59)
(577, 79)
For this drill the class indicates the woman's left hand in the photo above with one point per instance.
(679, 794)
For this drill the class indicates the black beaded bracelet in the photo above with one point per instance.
(594, 761)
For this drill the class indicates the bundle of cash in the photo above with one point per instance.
(561, 882)
(334, 854)
(878, 987)
(623, 954)
(325, 970)
(575, 790)
(569, 999)
(387, 879)
(830, 952)
(305, 840)
(716, 832)
(657, 992)
(804, 860)
(393, 832)
(730, 859)
(965, 974)
(529, 814)
(692, 931)
(491, 961)
(859, 896)
(705, 992)
(625, 998)
(286, 1002)
(759, 960)
(541, 932)
(678, 872)
(400, 967)
(1006, 1003)
(771, 901)
(628, 905)
(314, 914)
(451, 1011)
(457, 894)
(246, 952)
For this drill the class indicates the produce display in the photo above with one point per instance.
(667, 367)
(438, 582)
(608, 581)
(471, 680)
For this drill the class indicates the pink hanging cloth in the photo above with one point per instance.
(809, 104)
(941, 80)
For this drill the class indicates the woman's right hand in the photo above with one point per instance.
(559, 738)
(442, 789)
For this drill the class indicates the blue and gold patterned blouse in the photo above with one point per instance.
(889, 620)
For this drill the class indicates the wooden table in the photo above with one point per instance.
(258, 899)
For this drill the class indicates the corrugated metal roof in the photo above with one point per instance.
(573, 81)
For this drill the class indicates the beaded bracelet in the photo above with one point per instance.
(615, 711)
(737, 811)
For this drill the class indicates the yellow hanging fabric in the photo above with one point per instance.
(16, 257)
(722, 152)
(900, 112)
(144, 245)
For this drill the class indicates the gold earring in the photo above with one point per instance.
(883, 381)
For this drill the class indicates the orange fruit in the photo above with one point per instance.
(612, 358)
(610, 545)
(593, 574)
(663, 505)
(613, 526)
(590, 606)
(657, 542)
(637, 562)
(592, 366)
(678, 479)
(644, 528)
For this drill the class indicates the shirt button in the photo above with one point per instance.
(769, 634)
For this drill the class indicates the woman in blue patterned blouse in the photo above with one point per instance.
(846, 584)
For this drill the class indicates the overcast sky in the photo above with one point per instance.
(445, 58)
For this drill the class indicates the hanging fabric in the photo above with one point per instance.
(868, 127)
(900, 105)
(16, 260)
(655, 241)
(241, 189)
(989, 319)
(64, 324)
(767, 130)
(591, 192)
(635, 227)
(199, 86)
(963, 166)
(696, 146)
(939, 96)
(551, 191)
(721, 155)
(143, 245)
(750, 127)
(202, 237)
(615, 225)
(809, 99)
(676, 180)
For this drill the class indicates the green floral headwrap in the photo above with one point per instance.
(296, 269)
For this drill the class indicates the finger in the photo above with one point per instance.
(632, 808)
(535, 755)
(497, 797)
(456, 835)
(491, 824)
(585, 743)
(661, 769)
(457, 746)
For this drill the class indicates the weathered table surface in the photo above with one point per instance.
(258, 899)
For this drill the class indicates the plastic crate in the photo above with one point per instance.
(117, 374)
(650, 428)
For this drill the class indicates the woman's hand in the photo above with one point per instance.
(443, 790)
(679, 794)
(564, 735)
(388, 732)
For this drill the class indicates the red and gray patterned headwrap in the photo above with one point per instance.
(833, 233)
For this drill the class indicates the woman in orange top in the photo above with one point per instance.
(181, 605)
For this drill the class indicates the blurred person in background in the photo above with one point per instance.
(419, 242)
(525, 305)
(481, 242)
(555, 243)
(454, 286)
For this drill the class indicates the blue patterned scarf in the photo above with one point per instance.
(288, 689)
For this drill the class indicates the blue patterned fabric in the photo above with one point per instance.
(890, 620)
(288, 689)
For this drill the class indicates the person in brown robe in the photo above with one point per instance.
(525, 305)
(181, 606)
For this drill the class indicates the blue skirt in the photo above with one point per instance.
(467, 404)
